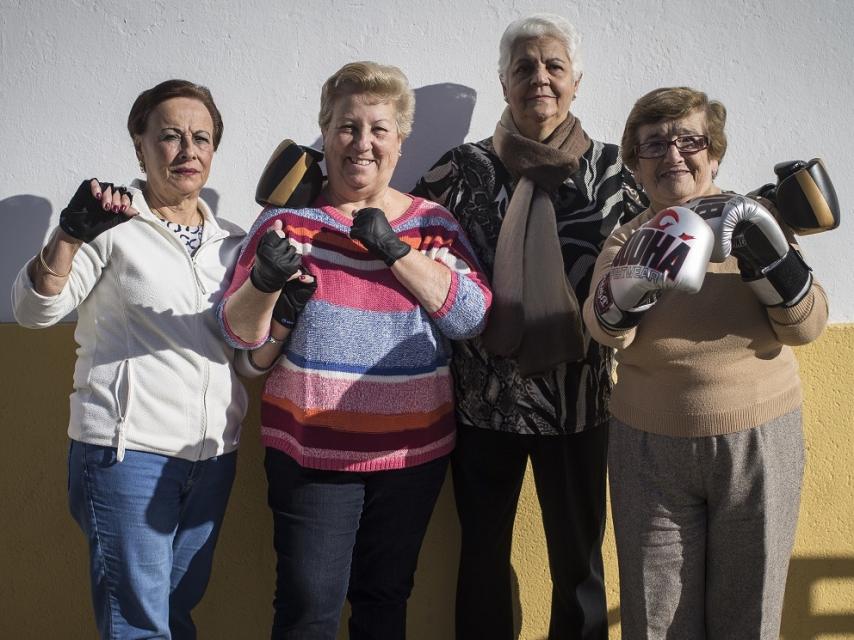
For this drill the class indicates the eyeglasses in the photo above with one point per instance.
(686, 145)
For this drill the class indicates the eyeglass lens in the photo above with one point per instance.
(685, 144)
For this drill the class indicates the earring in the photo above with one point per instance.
(141, 165)
(714, 174)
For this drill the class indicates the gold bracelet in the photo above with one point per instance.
(48, 269)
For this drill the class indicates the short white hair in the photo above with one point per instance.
(540, 25)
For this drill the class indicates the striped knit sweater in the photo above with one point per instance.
(364, 383)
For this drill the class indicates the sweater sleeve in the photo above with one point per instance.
(804, 322)
(36, 311)
(245, 261)
(801, 323)
(464, 311)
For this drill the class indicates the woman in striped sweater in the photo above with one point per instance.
(357, 413)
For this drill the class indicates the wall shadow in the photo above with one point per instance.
(443, 115)
(26, 218)
(800, 621)
(211, 197)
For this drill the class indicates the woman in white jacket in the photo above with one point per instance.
(156, 407)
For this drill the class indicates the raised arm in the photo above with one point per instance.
(60, 277)
(444, 277)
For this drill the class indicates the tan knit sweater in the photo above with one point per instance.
(706, 364)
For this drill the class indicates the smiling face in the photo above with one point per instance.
(177, 149)
(676, 177)
(362, 147)
(539, 86)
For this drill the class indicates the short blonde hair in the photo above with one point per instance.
(674, 103)
(383, 82)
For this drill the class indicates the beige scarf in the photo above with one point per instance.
(535, 316)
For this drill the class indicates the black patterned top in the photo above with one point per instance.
(190, 236)
(473, 184)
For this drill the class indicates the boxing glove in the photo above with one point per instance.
(768, 264)
(372, 229)
(293, 298)
(276, 260)
(670, 251)
(84, 218)
(292, 177)
(803, 196)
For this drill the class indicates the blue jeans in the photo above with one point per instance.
(151, 522)
(340, 534)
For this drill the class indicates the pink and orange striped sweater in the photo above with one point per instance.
(363, 383)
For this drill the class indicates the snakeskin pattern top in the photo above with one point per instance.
(190, 236)
(473, 184)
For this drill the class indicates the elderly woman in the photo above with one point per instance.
(156, 408)
(707, 450)
(538, 199)
(353, 302)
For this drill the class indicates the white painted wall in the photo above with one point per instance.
(70, 69)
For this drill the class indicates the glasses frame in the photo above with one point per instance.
(675, 142)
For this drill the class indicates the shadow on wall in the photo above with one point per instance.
(211, 197)
(443, 115)
(442, 119)
(27, 217)
(800, 619)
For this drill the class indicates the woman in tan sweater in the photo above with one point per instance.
(706, 445)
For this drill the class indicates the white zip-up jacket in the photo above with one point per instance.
(153, 372)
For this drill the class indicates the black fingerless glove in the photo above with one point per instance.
(276, 260)
(84, 218)
(292, 300)
(371, 228)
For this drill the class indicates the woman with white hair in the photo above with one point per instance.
(538, 199)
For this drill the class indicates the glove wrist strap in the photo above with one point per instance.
(783, 284)
(609, 314)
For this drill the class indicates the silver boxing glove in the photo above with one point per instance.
(670, 251)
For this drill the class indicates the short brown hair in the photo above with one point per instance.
(148, 100)
(384, 82)
(674, 103)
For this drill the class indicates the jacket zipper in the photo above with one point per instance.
(126, 374)
(201, 289)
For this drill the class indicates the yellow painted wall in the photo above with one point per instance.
(43, 579)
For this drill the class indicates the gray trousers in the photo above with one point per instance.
(704, 529)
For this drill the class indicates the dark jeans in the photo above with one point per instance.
(340, 534)
(569, 473)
